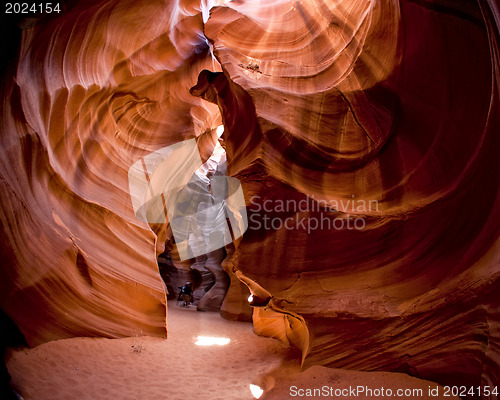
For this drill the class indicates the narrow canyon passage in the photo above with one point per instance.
(361, 140)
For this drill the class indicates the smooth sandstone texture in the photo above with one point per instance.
(96, 89)
(389, 104)
(386, 119)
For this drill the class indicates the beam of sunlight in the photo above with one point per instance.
(220, 130)
(256, 391)
(210, 341)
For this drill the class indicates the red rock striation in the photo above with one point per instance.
(97, 88)
(365, 137)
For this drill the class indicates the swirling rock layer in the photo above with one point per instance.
(97, 88)
(391, 131)
(385, 113)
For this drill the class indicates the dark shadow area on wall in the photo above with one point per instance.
(14, 20)
(10, 336)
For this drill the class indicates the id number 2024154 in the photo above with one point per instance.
(32, 8)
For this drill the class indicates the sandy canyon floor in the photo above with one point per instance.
(148, 368)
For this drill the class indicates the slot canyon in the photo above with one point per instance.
(362, 136)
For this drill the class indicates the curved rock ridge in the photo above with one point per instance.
(307, 69)
(97, 88)
(365, 137)
(404, 141)
(335, 128)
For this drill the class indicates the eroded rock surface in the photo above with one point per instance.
(97, 88)
(385, 113)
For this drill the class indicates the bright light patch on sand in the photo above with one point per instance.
(210, 341)
(256, 391)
